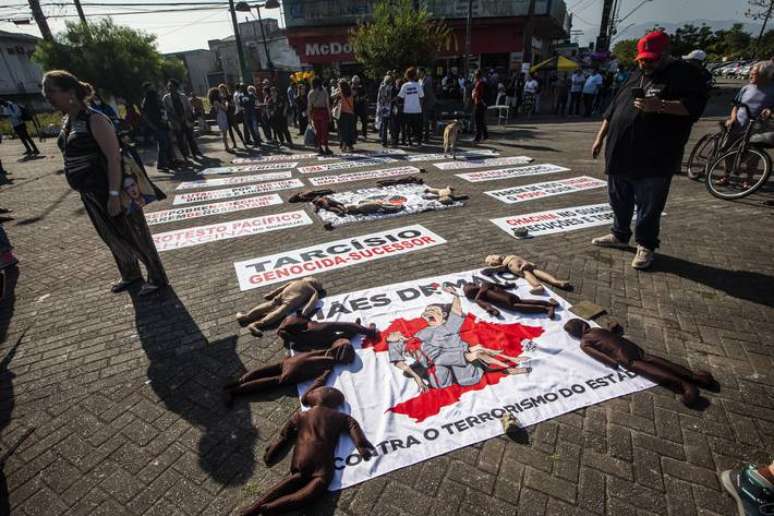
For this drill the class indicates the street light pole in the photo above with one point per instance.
(269, 64)
(468, 28)
(78, 8)
(526, 51)
(238, 40)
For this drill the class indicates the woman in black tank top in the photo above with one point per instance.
(92, 162)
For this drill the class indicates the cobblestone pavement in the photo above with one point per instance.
(123, 392)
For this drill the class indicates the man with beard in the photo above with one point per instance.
(647, 127)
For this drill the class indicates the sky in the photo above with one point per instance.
(186, 31)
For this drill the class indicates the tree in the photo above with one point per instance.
(760, 10)
(625, 51)
(115, 59)
(690, 37)
(732, 43)
(398, 36)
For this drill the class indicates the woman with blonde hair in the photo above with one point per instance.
(92, 164)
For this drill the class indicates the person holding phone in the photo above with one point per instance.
(92, 164)
(644, 133)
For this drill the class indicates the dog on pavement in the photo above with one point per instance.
(450, 133)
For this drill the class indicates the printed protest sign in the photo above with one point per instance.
(272, 157)
(240, 191)
(329, 256)
(204, 210)
(364, 154)
(232, 181)
(512, 172)
(557, 221)
(248, 168)
(483, 153)
(343, 165)
(180, 238)
(523, 193)
(421, 389)
(485, 162)
(362, 176)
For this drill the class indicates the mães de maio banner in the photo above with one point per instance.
(418, 391)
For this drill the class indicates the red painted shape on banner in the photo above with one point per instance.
(505, 337)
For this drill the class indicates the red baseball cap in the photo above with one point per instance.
(652, 46)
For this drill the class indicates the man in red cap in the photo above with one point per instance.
(647, 127)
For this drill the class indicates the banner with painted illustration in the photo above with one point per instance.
(443, 371)
(378, 203)
(517, 194)
(261, 167)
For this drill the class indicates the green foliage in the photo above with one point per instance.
(625, 51)
(690, 37)
(115, 59)
(758, 9)
(397, 37)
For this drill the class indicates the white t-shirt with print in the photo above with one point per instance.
(411, 93)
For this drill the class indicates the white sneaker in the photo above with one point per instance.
(643, 259)
(610, 240)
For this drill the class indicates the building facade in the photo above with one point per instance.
(318, 30)
(19, 77)
(198, 63)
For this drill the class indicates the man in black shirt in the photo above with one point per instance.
(647, 126)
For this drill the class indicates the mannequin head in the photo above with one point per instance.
(324, 397)
(493, 260)
(576, 327)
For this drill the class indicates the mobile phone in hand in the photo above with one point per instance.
(638, 93)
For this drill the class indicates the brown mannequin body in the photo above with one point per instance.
(613, 350)
(363, 208)
(316, 433)
(301, 294)
(524, 269)
(309, 195)
(411, 180)
(305, 333)
(490, 297)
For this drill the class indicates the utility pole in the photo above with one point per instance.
(468, 28)
(238, 41)
(40, 19)
(269, 64)
(78, 8)
(526, 50)
(603, 40)
(763, 27)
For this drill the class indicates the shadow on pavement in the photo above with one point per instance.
(32, 220)
(187, 373)
(6, 376)
(750, 286)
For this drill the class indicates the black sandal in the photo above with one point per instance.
(123, 285)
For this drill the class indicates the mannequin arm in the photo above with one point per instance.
(274, 293)
(364, 447)
(318, 382)
(311, 305)
(597, 355)
(285, 437)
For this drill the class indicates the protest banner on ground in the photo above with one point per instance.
(362, 176)
(343, 165)
(483, 153)
(523, 193)
(483, 162)
(204, 210)
(236, 180)
(240, 191)
(400, 200)
(511, 173)
(329, 256)
(180, 238)
(418, 392)
(364, 154)
(557, 221)
(272, 157)
(248, 168)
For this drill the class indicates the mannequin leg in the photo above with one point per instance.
(665, 376)
(255, 313)
(551, 279)
(291, 501)
(275, 316)
(283, 488)
(263, 372)
(701, 378)
(536, 287)
(346, 329)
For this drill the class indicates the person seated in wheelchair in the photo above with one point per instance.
(753, 100)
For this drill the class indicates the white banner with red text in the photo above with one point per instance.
(248, 168)
(235, 180)
(240, 191)
(512, 173)
(483, 162)
(517, 194)
(362, 176)
(422, 389)
(557, 221)
(204, 210)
